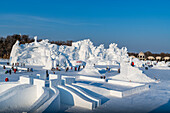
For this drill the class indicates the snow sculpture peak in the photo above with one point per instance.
(14, 52)
(17, 43)
(35, 39)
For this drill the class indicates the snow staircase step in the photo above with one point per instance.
(78, 98)
(98, 90)
(98, 101)
(90, 78)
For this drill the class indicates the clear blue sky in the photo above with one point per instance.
(140, 25)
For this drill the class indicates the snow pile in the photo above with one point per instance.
(129, 73)
(90, 70)
(50, 55)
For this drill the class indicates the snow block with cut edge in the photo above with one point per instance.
(40, 84)
(89, 78)
(136, 90)
(116, 93)
(24, 80)
(98, 90)
(68, 79)
(85, 94)
(44, 97)
(125, 83)
(69, 96)
(54, 76)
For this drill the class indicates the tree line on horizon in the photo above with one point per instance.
(6, 43)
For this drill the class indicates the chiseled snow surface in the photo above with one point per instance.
(50, 55)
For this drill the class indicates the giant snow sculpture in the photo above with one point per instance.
(50, 55)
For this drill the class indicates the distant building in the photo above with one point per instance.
(166, 58)
(158, 58)
(141, 56)
(151, 58)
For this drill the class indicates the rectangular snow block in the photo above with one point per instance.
(24, 80)
(88, 78)
(135, 90)
(69, 80)
(40, 84)
(116, 93)
(54, 76)
(124, 83)
(56, 82)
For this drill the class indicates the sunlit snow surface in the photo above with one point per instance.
(97, 58)
(155, 99)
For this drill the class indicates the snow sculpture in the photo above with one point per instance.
(38, 53)
(129, 73)
(42, 53)
(85, 50)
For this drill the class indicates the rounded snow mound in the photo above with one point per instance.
(90, 70)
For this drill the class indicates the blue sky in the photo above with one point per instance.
(140, 25)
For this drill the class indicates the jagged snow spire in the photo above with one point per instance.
(17, 43)
(35, 39)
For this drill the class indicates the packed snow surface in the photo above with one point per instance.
(153, 99)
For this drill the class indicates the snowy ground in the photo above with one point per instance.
(154, 100)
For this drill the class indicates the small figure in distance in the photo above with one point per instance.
(6, 79)
(132, 64)
(66, 69)
(10, 71)
(4, 67)
(118, 70)
(79, 68)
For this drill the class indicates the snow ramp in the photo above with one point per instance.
(70, 96)
(4, 86)
(98, 101)
(18, 98)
